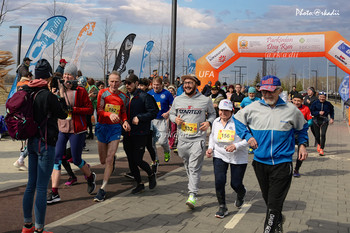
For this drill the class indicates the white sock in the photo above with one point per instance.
(104, 183)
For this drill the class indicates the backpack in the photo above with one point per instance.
(20, 115)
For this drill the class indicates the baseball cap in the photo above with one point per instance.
(192, 77)
(215, 88)
(322, 93)
(64, 61)
(226, 104)
(27, 59)
(251, 90)
(132, 78)
(298, 96)
(269, 83)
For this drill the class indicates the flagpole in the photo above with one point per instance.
(173, 41)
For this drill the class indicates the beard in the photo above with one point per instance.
(270, 101)
(190, 91)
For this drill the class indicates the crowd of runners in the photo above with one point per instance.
(143, 112)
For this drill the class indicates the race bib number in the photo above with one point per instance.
(159, 105)
(226, 135)
(237, 104)
(112, 108)
(189, 128)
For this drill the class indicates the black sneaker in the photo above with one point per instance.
(240, 199)
(279, 227)
(91, 183)
(139, 189)
(101, 195)
(222, 212)
(53, 198)
(129, 175)
(152, 179)
(154, 167)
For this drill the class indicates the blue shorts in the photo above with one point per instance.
(106, 133)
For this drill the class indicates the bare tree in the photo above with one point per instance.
(5, 61)
(64, 39)
(108, 33)
(4, 10)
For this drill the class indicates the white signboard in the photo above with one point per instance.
(281, 44)
(220, 55)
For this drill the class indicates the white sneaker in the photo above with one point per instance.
(20, 166)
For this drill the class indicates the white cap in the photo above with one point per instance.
(226, 104)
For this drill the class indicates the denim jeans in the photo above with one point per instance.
(39, 173)
(220, 172)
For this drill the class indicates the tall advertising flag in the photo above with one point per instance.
(344, 89)
(191, 63)
(124, 53)
(84, 34)
(146, 50)
(45, 36)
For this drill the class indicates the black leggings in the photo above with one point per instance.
(134, 147)
(320, 129)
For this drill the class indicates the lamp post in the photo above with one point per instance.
(162, 66)
(336, 77)
(173, 41)
(316, 77)
(19, 43)
(240, 73)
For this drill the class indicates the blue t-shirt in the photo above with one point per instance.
(246, 101)
(164, 100)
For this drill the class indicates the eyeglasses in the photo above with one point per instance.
(271, 92)
(128, 83)
(189, 83)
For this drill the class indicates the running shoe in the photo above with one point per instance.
(129, 175)
(101, 195)
(71, 181)
(28, 230)
(321, 152)
(191, 201)
(318, 147)
(154, 166)
(91, 183)
(279, 227)
(166, 157)
(152, 179)
(222, 212)
(176, 151)
(296, 174)
(20, 166)
(53, 198)
(85, 148)
(43, 231)
(139, 189)
(240, 199)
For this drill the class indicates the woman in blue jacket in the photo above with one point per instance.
(320, 110)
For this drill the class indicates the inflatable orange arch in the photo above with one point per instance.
(278, 45)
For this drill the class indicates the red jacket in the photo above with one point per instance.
(82, 107)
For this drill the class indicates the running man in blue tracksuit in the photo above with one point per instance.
(269, 126)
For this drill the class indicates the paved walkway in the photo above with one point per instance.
(318, 201)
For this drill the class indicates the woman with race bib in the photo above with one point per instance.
(227, 149)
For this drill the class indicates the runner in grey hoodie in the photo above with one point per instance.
(193, 113)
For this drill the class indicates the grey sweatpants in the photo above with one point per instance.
(193, 154)
(162, 126)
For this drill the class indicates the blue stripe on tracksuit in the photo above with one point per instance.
(273, 129)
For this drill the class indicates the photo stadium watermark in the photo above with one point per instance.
(316, 12)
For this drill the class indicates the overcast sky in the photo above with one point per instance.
(202, 24)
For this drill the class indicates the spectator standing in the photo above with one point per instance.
(61, 66)
(23, 69)
(46, 107)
